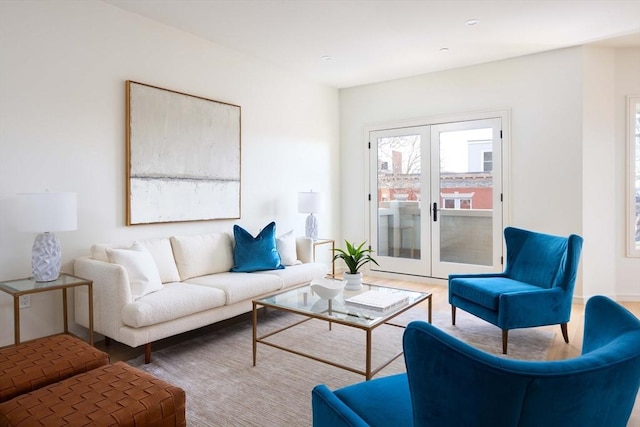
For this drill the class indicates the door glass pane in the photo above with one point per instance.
(466, 196)
(399, 165)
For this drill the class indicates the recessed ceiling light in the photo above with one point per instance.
(444, 49)
(326, 58)
(472, 22)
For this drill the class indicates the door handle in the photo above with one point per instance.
(435, 211)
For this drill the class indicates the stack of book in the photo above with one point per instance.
(378, 301)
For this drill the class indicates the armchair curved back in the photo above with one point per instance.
(541, 259)
(454, 384)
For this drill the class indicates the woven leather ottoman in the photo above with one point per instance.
(112, 395)
(34, 364)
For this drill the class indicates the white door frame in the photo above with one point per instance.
(504, 114)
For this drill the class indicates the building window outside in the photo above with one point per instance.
(487, 161)
(457, 200)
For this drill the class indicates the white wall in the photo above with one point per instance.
(598, 186)
(551, 96)
(63, 67)
(627, 82)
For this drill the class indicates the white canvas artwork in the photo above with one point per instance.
(183, 157)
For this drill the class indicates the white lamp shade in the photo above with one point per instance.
(47, 212)
(310, 202)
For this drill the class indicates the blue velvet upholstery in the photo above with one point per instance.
(535, 289)
(380, 402)
(255, 253)
(449, 383)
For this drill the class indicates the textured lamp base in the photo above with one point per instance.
(311, 227)
(46, 258)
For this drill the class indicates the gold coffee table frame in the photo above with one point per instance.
(301, 301)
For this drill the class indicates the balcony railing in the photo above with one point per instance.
(466, 235)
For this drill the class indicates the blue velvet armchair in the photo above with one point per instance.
(449, 383)
(535, 289)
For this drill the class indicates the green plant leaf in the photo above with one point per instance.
(354, 256)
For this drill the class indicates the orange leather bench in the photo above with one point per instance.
(110, 395)
(62, 380)
(34, 364)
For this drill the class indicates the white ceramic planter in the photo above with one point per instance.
(354, 281)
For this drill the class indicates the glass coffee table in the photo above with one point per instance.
(304, 302)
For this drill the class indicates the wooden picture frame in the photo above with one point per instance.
(183, 157)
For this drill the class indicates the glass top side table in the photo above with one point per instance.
(19, 287)
(331, 242)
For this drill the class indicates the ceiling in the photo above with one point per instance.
(345, 43)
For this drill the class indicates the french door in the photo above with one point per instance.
(437, 198)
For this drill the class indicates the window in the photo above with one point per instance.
(487, 161)
(633, 154)
(457, 200)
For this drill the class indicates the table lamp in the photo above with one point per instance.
(45, 213)
(310, 202)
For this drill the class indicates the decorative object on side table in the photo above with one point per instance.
(310, 202)
(354, 257)
(45, 213)
(327, 288)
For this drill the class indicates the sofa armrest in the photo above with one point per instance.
(304, 249)
(111, 292)
(330, 411)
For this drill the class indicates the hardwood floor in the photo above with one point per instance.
(559, 349)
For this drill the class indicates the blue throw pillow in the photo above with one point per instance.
(255, 253)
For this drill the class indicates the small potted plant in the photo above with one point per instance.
(354, 257)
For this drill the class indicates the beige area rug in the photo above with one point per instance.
(224, 389)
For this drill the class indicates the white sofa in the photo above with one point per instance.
(197, 287)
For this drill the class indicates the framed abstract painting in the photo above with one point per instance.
(183, 157)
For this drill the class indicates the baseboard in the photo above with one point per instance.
(616, 297)
(408, 277)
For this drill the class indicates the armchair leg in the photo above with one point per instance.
(453, 314)
(565, 332)
(505, 338)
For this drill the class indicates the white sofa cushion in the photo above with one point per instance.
(174, 301)
(239, 286)
(202, 254)
(160, 250)
(286, 245)
(162, 254)
(298, 274)
(99, 250)
(141, 269)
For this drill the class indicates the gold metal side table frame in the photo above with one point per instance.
(369, 371)
(19, 287)
(331, 242)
